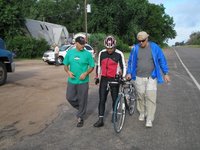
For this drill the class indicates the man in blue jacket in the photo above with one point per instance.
(144, 65)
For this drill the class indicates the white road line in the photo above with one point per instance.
(191, 76)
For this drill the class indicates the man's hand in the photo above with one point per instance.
(167, 78)
(128, 77)
(96, 81)
(83, 76)
(70, 74)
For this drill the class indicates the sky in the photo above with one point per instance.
(186, 17)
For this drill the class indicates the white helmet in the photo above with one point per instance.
(109, 42)
(79, 34)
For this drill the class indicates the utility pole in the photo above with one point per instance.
(85, 7)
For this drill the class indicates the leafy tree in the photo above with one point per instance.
(69, 13)
(159, 25)
(194, 39)
(180, 43)
(27, 47)
(97, 41)
(12, 19)
(126, 18)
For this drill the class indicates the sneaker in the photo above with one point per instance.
(149, 124)
(80, 122)
(141, 117)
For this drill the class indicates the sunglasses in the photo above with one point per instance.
(141, 41)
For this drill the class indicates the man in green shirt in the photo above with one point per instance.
(78, 64)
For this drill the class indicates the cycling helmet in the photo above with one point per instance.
(109, 42)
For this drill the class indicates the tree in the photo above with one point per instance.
(159, 25)
(12, 19)
(69, 13)
(194, 39)
(126, 18)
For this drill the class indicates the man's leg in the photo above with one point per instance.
(151, 94)
(103, 93)
(82, 95)
(140, 85)
(71, 95)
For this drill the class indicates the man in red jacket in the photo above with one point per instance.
(111, 63)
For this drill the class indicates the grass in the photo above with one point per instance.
(126, 55)
(21, 59)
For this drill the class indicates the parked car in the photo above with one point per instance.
(49, 57)
(6, 62)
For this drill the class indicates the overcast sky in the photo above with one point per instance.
(186, 17)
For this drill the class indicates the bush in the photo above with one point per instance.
(122, 46)
(27, 47)
(97, 41)
(194, 39)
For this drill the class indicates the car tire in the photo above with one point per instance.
(50, 63)
(3, 73)
(60, 60)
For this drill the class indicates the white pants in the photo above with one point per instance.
(147, 93)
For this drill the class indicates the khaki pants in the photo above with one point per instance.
(147, 93)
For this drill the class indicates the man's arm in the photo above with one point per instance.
(83, 75)
(164, 66)
(69, 73)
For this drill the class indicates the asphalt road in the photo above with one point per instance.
(176, 125)
(191, 59)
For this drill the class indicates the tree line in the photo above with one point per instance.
(122, 18)
(194, 39)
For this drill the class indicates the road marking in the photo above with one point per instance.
(191, 76)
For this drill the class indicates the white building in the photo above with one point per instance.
(52, 33)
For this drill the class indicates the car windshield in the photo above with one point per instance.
(87, 47)
(64, 47)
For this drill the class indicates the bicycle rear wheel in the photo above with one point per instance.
(131, 107)
(119, 113)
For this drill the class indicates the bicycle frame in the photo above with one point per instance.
(126, 93)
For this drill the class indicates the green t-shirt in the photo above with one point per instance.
(78, 62)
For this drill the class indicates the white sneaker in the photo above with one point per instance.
(149, 123)
(141, 117)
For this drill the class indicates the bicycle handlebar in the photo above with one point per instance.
(119, 81)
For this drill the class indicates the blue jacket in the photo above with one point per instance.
(159, 59)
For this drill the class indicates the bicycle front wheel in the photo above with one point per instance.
(119, 113)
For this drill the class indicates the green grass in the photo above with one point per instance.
(126, 55)
(20, 59)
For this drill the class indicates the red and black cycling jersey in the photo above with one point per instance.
(110, 65)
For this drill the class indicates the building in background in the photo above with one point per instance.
(52, 33)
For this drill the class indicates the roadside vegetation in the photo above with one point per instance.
(121, 18)
(194, 41)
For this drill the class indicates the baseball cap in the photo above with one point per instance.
(142, 35)
(80, 40)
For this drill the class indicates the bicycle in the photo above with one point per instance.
(126, 100)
